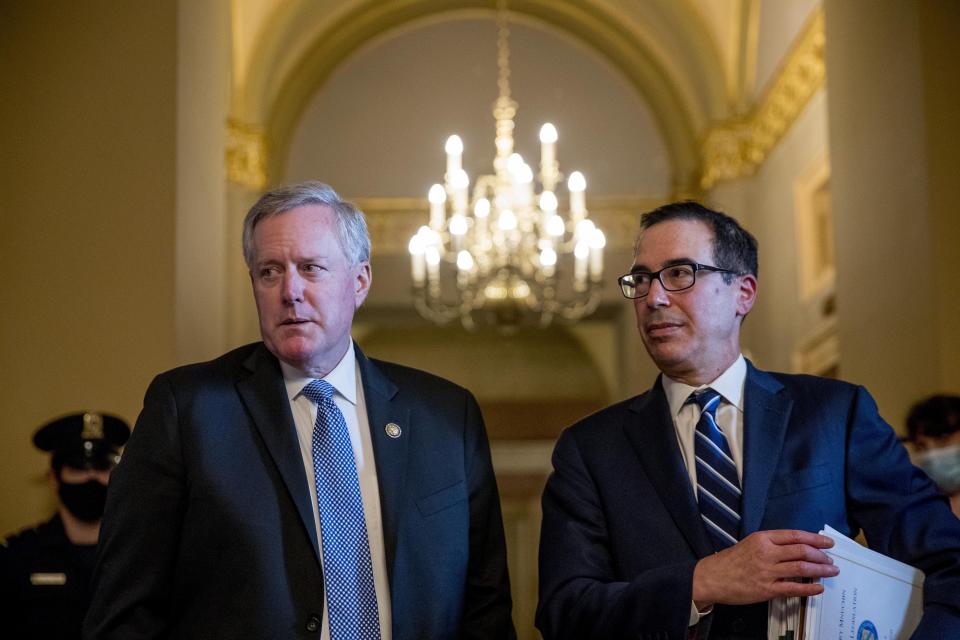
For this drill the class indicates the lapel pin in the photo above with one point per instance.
(393, 430)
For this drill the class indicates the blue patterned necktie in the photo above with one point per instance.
(347, 569)
(718, 486)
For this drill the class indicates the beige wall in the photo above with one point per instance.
(893, 97)
(940, 46)
(87, 124)
(205, 248)
(781, 320)
(886, 122)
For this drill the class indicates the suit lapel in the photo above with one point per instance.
(390, 453)
(651, 432)
(265, 396)
(765, 416)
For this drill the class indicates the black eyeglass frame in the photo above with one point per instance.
(696, 266)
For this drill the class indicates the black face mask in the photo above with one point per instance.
(85, 500)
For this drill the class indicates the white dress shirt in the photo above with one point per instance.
(729, 385)
(348, 396)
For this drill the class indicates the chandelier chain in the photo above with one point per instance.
(503, 53)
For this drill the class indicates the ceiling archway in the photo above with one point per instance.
(662, 48)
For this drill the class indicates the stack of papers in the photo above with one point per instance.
(872, 598)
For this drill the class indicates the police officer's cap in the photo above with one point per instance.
(83, 440)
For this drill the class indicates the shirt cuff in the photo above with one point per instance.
(696, 614)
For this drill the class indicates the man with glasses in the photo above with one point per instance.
(679, 513)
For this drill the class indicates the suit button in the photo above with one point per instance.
(313, 623)
(738, 625)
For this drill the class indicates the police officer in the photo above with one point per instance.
(45, 571)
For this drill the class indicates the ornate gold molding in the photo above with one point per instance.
(736, 148)
(392, 221)
(246, 155)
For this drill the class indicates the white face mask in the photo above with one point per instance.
(943, 467)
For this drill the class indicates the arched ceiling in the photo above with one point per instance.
(377, 126)
(662, 47)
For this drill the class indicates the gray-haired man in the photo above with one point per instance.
(296, 488)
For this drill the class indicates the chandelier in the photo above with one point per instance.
(507, 255)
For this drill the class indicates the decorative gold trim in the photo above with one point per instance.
(392, 221)
(735, 148)
(246, 155)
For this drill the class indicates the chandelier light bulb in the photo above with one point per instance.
(597, 239)
(458, 225)
(576, 182)
(548, 133)
(555, 226)
(437, 194)
(433, 256)
(508, 220)
(514, 162)
(454, 149)
(548, 202)
(464, 260)
(581, 251)
(524, 174)
(454, 145)
(460, 180)
(548, 257)
(481, 208)
(428, 236)
(416, 246)
(585, 229)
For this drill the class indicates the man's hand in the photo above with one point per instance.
(758, 568)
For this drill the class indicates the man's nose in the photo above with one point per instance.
(657, 296)
(292, 287)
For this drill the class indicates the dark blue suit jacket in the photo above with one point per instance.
(622, 533)
(209, 531)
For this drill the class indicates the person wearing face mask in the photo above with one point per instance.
(45, 571)
(933, 426)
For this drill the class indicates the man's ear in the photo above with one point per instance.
(361, 283)
(746, 293)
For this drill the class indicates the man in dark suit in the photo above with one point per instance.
(679, 513)
(295, 488)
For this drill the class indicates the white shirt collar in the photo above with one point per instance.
(728, 384)
(343, 377)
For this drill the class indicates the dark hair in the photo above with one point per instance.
(734, 247)
(934, 417)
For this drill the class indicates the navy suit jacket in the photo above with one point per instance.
(209, 530)
(622, 533)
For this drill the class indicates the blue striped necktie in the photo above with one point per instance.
(347, 569)
(718, 486)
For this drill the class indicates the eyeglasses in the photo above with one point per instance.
(676, 277)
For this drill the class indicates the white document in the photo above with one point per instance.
(873, 598)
